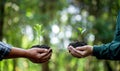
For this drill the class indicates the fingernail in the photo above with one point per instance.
(46, 50)
(50, 50)
(71, 46)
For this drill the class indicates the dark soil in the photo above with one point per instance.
(41, 46)
(77, 44)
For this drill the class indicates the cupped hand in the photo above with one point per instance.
(80, 52)
(39, 55)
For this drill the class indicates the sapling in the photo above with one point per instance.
(39, 33)
(81, 32)
(79, 43)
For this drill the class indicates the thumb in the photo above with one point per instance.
(40, 50)
(82, 48)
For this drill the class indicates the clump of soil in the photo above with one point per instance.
(77, 44)
(41, 46)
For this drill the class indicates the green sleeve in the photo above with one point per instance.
(117, 32)
(111, 50)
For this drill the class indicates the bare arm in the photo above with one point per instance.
(36, 55)
(16, 53)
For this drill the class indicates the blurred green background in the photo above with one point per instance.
(60, 20)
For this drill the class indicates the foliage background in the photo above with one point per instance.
(60, 20)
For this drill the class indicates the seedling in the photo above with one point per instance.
(81, 30)
(39, 33)
(79, 43)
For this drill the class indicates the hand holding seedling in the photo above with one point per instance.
(44, 56)
(81, 51)
(38, 55)
(81, 42)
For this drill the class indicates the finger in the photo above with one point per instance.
(75, 55)
(72, 49)
(43, 61)
(45, 54)
(75, 52)
(82, 53)
(81, 48)
(42, 50)
(49, 50)
(42, 55)
(48, 56)
(79, 53)
(69, 48)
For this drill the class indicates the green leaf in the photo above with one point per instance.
(81, 30)
(38, 29)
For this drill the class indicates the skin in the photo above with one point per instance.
(81, 52)
(36, 55)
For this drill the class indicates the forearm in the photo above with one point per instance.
(109, 51)
(16, 53)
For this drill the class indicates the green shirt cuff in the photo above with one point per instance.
(96, 51)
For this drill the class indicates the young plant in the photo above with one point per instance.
(79, 43)
(39, 32)
(81, 30)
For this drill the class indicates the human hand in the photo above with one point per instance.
(80, 52)
(39, 55)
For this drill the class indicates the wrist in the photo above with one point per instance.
(91, 50)
(27, 54)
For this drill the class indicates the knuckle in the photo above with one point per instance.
(82, 54)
